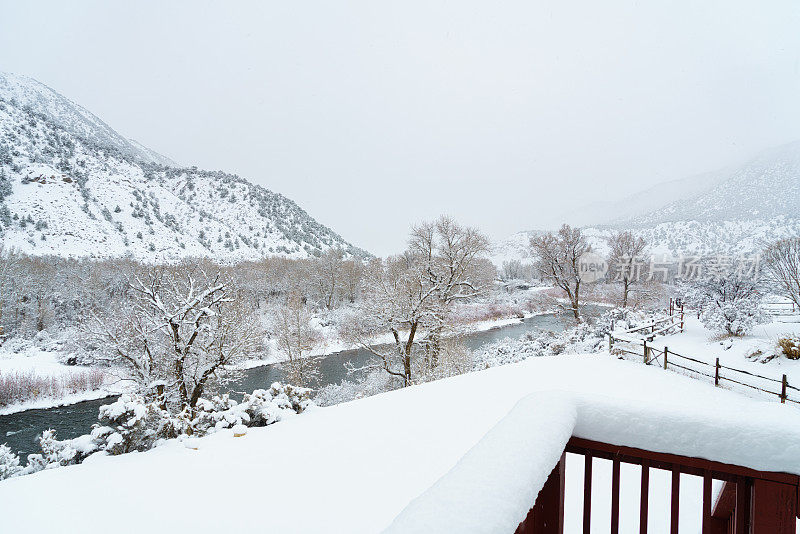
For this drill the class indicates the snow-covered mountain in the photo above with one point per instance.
(733, 211)
(33, 95)
(72, 186)
(765, 187)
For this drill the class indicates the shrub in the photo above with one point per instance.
(790, 347)
(261, 408)
(131, 423)
(9, 463)
(24, 386)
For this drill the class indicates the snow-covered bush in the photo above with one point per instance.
(9, 463)
(21, 386)
(732, 318)
(580, 339)
(583, 338)
(452, 358)
(132, 424)
(57, 453)
(261, 408)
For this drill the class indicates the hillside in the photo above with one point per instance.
(72, 186)
(734, 211)
(28, 93)
(673, 239)
(767, 186)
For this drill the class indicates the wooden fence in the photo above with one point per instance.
(722, 375)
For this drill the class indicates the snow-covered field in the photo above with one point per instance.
(358, 466)
(749, 353)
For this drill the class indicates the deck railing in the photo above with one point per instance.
(750, 502)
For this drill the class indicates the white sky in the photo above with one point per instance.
(374, 115)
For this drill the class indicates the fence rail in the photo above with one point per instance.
(671, 360)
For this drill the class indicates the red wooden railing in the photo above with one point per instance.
(751, 502)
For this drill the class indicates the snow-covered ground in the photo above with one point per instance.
(749, 353)
(490, 436)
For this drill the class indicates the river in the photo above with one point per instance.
(19, 430)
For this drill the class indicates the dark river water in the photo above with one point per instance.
(19, 430)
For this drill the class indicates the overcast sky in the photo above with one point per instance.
(374, 115)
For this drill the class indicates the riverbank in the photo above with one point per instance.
(338, 346)
(28, 370)
(20, 429)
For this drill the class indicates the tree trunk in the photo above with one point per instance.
(625, 286)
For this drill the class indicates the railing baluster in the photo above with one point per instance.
(742, 510)
(587, 493)
(644, 499)
(707, 502)
(615, 496)
(676, 493)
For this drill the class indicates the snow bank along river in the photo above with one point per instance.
(19, 430)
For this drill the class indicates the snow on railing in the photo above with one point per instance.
(521, 461)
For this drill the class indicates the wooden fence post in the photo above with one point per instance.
(682, 318)
(610, 343)
(666, 351)
(646, 351)
(784, 383)
(716, 373)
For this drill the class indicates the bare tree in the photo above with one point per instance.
(324, 275)
(782, 267)
(557, 256)
(516, 270)
(182, 332)
(624, 260)
(297, 338)
(352, 274)
(448, 256)
(409, 295)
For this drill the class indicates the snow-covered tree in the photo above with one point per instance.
(184, 332)
(782, 268)
(408, 296)
(625, 261)
(728, 305)
(557, 261)
(325, 276)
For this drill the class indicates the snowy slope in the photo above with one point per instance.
(767, 186)
(738, 210)
(70, 194)
(31, 94)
